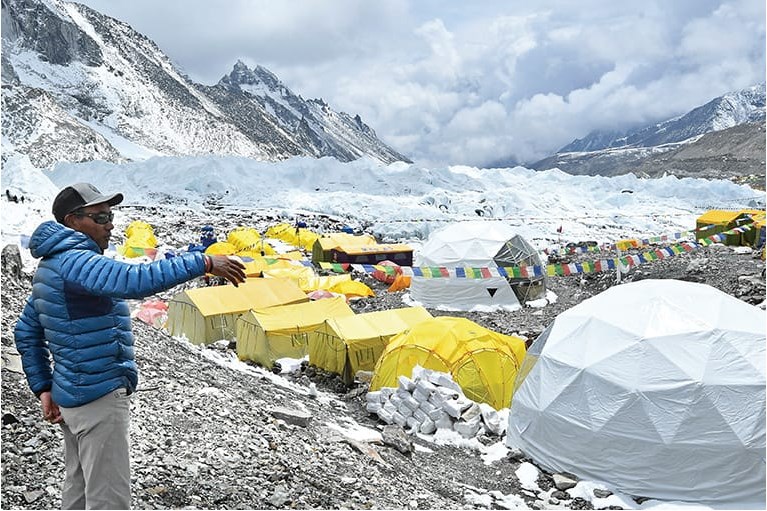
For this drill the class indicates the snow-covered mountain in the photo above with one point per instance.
(78, 86)
(316, 128)
(732, 109)
(613, 153)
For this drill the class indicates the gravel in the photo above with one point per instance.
(207, 436)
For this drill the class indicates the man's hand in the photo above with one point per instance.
(231, 269)
(51, 411)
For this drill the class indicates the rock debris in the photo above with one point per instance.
(207, 436)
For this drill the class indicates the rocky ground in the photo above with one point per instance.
(735, 154)
(206, 436)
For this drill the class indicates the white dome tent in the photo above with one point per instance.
(467, 244)
(655, 387)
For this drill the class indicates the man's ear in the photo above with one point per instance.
(68, 219)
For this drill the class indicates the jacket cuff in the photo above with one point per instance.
(45, 389)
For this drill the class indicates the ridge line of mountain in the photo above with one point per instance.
(111, 93)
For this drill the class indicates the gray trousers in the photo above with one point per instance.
(97, 454)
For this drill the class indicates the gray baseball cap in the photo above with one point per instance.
(80, 195)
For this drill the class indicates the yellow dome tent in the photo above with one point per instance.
(256, 250)
(483, 362)
(249, 242)
(221, 248)
(351, 288)
(136, 227)
(243, 237)
(140, 240)
(296, 236)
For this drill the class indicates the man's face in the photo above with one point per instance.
(85, 222)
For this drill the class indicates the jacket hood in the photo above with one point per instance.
(52, 237)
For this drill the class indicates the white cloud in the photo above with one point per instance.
(474, 83)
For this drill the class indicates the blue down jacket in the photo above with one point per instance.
(77, 313)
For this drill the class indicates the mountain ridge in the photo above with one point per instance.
(99, 70)
(726, 111)
(639, 150)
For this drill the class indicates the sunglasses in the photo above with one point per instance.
(100, 218)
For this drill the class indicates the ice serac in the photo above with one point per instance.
(113, 88)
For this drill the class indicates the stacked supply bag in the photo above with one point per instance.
(431, 400)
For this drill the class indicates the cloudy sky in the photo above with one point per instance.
(477, 83)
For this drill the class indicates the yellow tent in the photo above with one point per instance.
(293, 272)
(138, 226)
(140, 240)
(354, 343)
(722, 220)
(248, 242)
(324, 244)
(265, 335)
(628, 243)
(756, 236)
(306, 279)
(351, 288)
(296, 236)
(400, 253)
(221, 248)
(243, 237)
(260, 250)
(483, 362)
(207, 314)
(280, 231)
(256, 266)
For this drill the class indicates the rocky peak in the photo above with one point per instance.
(249, 113)
(259, 75)
(52, 34)
(268, 78)
(240, 75)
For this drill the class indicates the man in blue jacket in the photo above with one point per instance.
(77, 315)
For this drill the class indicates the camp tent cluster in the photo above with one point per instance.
(272, 317)
(349, 344)
(207, 314)
(665, 380)
(268, 334)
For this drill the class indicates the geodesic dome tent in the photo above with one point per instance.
(655, 387)
(516, 251)
(471, 244)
